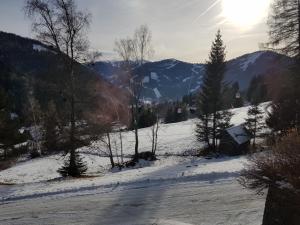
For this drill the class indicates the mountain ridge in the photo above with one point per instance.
(171, 79)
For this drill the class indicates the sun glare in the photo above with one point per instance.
(245, 13)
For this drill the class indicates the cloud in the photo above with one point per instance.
(208, 9)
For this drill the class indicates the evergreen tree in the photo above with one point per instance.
(50, 128)
(74, 167)
(232, 96)
(210, 103)
(237, 97)
(169, 118)
(9, 134)
(67, 33)
(284, 35)
(147, 117)
(176, 113)
(254, 122)
(257, 90)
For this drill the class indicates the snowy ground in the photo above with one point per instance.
(188, 189)
(185, 203)
(173, 138)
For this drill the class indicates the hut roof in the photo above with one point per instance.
(239, 134)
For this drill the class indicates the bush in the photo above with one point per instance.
(276, 167)
(147, 156)
(176, 113)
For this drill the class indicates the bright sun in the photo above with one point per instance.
(245, 13)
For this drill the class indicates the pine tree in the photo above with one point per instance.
(9, 134)
(50, 126)
(254, 122)
(74, 166)
(169, 117)
(237, 97)
(284, 35)
(210, 102)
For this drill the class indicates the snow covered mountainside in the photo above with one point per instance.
(172, 190)
(174, 140)
(172, 79)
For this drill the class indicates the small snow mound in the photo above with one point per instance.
(146, 80)
(39, 48)
(154, 76)
(157, 93)
(195, 89)
(186, 79)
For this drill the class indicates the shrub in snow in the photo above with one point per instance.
(280, 165)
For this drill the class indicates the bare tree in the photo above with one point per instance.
(284, 23)
(142, 44)
(154, 133)
(134, 51)
(36, 132)
(59, 23)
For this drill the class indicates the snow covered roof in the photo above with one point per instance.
(239, 134)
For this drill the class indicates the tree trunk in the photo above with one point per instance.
(298, 32)
(121, 145)
(254, 133)
(214, 133)
(111, 157)
(282, 207)
(136, 131)
(72, 120)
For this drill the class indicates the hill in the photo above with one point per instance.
(28, 66)
(172, 79)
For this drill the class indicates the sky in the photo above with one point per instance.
(181, 29)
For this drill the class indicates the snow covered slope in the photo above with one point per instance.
(172, 190)
(173, 139)
(174, 78)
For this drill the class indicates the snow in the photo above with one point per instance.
(146, 80)
(195, 89)
(186, 79)
(186, 203)
(165, 76)
(251, 59)
(39, 48)
(171, 64)
(171, 190)
(239, 134)
(173, 139)
(13, 116)
(157, 93)
(154, 76)
(197, 68)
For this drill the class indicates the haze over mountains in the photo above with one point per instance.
(168, 79)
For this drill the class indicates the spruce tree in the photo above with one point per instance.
(50, 124)
(9, 125)
(74, 166)
(254, 121)
(284, 36)
(213, 121)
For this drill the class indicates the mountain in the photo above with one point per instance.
(28, 66)
(171, 79)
